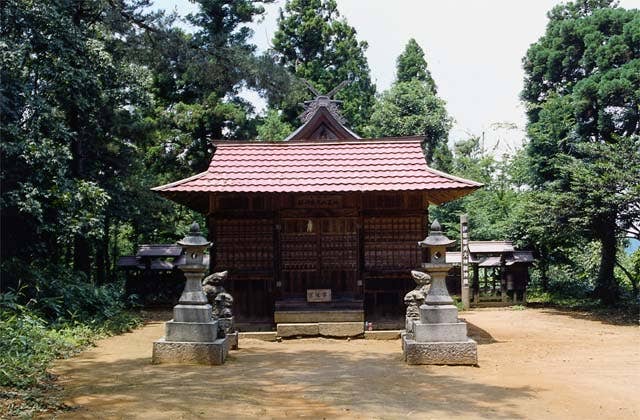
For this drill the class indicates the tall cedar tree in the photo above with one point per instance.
(315, 44)
(582, 89)
(411, 107)
(197, 78)
(411, 65)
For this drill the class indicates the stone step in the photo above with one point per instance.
(341, 329)
(260, 335)
(290, 317)
(325, 329)
(297, 329)
(382, 335)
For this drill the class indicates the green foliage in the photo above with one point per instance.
(409, 109)
(490, 208)
(315, 44)
(64, 318)
(412, 108)
(28, 346)
(100, 101)
(66, 151)
(582, 90)
(273, 128)
(411, 65)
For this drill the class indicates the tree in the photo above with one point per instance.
(273, 128)
(101, 101)
(582, 92)
(489, 209)
(315, 44)
(196, 81)
(69, 123)
(411, 65)
(411, 107)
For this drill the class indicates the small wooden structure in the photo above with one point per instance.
(505, 272)
(152, 273)
(322, 211)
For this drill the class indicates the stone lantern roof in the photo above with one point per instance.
(436, 237)
(194, 238)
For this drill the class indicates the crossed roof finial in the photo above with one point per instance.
(328, 95)
(310, 107)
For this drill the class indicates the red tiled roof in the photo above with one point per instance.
(285, 167)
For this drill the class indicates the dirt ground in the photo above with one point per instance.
(533, 363)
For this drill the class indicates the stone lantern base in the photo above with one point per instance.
(191, 337)
(439, 338)
(440, 353)
(203, 353)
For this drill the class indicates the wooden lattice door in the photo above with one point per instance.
(319, 253)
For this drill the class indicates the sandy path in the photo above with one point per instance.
(533, 364)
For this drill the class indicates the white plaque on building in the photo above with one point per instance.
(318, 295)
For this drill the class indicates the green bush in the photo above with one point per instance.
(28, 345)
(53, 317)
(60, 295)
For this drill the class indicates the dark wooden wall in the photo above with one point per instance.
(275, 246)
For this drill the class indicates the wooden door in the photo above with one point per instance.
(319, 253)
(299, 259)
(339, 255)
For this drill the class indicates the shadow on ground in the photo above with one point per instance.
(315, 379)
(481, 336)
(626, 316)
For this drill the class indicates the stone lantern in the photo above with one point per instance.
(194, 245)
(436, 244)
(192, 335)
(438, 337)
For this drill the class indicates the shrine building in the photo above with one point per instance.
(322, 221)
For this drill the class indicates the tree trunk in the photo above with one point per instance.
(102, 254)
(81, 255)
(81, 252)
(115, 251)
(544, 275)
(606, 285)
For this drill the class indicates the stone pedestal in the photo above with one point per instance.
(203, 353)
(191, 337)
(438, 337)
(229, 326)
(444, 342)
(440, 353)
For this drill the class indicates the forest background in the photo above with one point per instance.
(103, 99)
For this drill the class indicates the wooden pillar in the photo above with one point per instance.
(211, 228)
(476, 284)
(276, 206)
(503, 280)
(464, 260)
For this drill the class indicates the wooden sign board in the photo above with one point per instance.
(318, 295)
(318, 202)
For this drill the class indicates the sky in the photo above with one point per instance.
(473, 48)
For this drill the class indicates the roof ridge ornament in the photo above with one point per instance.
(320, 100)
